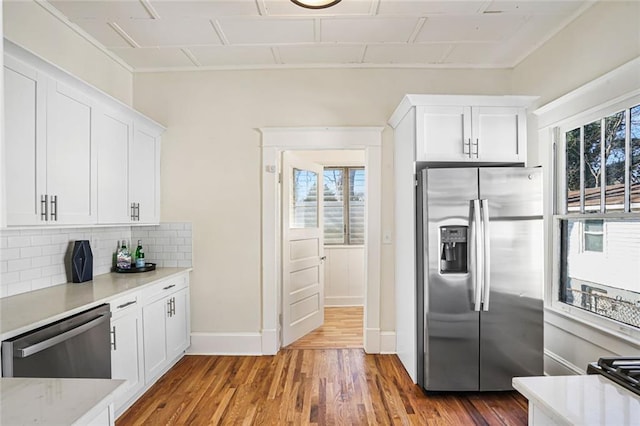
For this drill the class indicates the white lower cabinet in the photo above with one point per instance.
(166, 326)
(126, 349)
(149, 333)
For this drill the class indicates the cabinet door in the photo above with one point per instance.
(71, 158)
(443, 133)
(25, 139)
(126, 355)
(144, 182)
(177, 329)
(113, 137)
(155, 341)
(499, 134)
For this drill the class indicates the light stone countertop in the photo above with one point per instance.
(31, 401)
(26, 311)
(581, 400)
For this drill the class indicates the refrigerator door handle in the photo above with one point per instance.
(476, 259)
(486, 252)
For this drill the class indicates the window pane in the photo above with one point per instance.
(593, 226)
(592, 169)
(333, 206)
(635, 158)
(614, 138)
(573, 170)
(304, 206)
(356, 206)
(607, 284)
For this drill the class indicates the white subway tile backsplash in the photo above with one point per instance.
(30, 252)
(18, 265)
(30, 274)
(32, 259)
(10, 253)
(19, 241)
(167, 245)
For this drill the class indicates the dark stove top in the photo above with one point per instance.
(625, 371)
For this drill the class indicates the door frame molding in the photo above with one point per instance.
(278, 139)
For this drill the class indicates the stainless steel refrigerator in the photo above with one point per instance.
(480, 277)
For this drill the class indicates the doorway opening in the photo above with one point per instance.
(274, 142)
(343, 206)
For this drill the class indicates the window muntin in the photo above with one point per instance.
(615, 161)
(344, 213)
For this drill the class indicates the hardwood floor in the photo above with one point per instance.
(342, 328)
(310, 387)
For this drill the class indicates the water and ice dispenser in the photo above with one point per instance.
(453, 249)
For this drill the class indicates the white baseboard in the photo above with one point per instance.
(330, 301)
(555, 365)
(372, 340)
(270, 342)
(225, 344)
(387, 342)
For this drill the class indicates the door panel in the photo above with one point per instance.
(302, 248)
(71, 155)
(451, 329)
(512, 328)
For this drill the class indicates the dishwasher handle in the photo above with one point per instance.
(40, 346)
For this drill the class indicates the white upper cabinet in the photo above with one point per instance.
(144, 172)
(50, 158)
(114, 135)
(74, 155)
(498, 134)
(71, 156)
(459, 129)
(25, 143)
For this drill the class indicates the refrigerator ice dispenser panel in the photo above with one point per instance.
(453, 249)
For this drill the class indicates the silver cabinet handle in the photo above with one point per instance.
(466, 147)
(113, 333)
(54, 207)
(44, 207)
(173, 305)
(168, 287)
(40, 346)
(138, 212)
(133, 211)
(169, 307)
(486, 282)
(477, 144)
(124, 305)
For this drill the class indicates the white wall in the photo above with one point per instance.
(34, 28)
(211, 162)
(603, 39)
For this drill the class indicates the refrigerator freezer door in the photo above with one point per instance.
(511, 333)
(450, 324)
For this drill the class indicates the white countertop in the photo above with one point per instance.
(581, 400)
(28, 401)
(26, 311)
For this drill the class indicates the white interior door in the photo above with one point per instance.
(302, 248)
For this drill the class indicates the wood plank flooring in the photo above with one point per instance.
(310, 387)
(342, 328)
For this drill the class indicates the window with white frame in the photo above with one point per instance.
(599, 217)
(344, 205)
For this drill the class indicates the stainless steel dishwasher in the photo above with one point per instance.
(78, 346)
